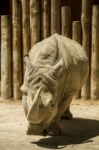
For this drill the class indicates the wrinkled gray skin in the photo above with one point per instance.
(56, 69)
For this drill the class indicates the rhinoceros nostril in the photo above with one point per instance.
(52, 105)
(41, 105)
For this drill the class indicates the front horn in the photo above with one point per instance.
(33, 114)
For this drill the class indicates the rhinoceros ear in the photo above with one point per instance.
(56, 70)
(27, 62)
(26, 59)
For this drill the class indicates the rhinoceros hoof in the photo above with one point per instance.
(34, 129)
(54, 130)
(67, 116)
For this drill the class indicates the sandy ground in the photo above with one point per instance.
(80, 133)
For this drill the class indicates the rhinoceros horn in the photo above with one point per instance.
(33, 114)
(56, 70)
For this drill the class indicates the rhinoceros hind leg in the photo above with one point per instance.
(67, 115)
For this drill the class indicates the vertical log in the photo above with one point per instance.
(77, 36)
(66, 21)
(25, 28)
(77, 31)
(17, 50)
(55, 16)
(85, 19)
(6, 51)
(0, 55)
(95, 54)
(45, 5)
(35, 21)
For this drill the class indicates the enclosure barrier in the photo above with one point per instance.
(26, 43)
(86, 33)
(66, 21)
(77, 36)
(45, 19)
(95, 54)
(33, 20)
(6, 60)
(55, 16)
(16, 47)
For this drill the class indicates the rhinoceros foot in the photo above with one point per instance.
(67, 115)
(54, 130)
(35, 130)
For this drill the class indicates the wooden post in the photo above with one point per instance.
(86, 19)
(6, 53)
(95, 54)
(17, 51)
(77, 36)
(55, 16)
(0, 55)
(66, 21)
(77, 31)
(25, 28)
(45, 5)
(35, 21)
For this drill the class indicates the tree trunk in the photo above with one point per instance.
(45, 18)
(25, 28)
(55, 16)
(85, 19)
(66, 21)
(17, 57)
(95, 54)
(35, 21)
(6, 53)
(77, 36)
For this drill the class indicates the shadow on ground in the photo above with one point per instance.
(75, 131)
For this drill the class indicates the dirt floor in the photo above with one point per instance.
(80, 133)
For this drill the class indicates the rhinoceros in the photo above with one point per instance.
(56, 69)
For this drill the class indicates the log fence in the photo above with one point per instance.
(77, 36)
(34, 20)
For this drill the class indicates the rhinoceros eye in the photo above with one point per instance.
(52, 105)
(39, 79)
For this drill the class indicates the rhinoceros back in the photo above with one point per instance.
(48, 52)
(53, 48)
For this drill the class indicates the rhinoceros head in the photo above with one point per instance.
(39, 90)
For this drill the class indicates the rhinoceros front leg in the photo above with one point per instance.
(53, 128)
(67, 114)
(63, 107)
